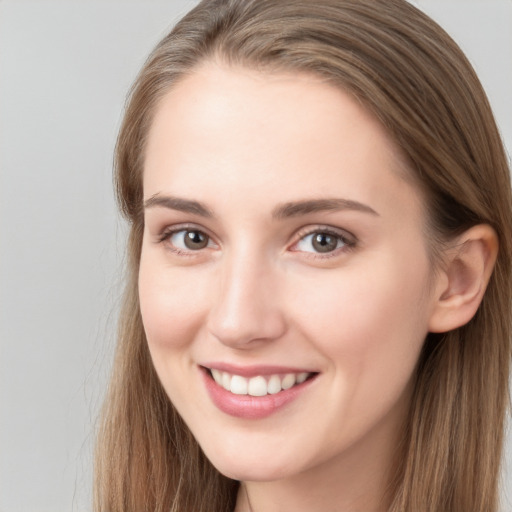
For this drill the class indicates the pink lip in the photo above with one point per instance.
(251, 407)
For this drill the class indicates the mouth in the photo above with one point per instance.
(259, 385)
(261, 392)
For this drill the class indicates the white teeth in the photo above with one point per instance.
(274, 385)
(217, 376)
(226, 381)
(288, 381)
(257, 386)
(239, 385)
(302, 377)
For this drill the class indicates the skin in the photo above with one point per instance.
(244, 143)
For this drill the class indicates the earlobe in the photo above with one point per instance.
(469, 263)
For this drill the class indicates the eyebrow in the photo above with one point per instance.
(297, 208)
(282, 211)
(178, 203)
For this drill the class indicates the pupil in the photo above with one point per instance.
(323, 242)
(195, 240)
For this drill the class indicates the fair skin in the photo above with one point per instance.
(242, 271)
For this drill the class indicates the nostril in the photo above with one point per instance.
(248, 329)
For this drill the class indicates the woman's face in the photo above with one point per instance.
(284, 277)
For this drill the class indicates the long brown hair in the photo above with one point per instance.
(406, 70)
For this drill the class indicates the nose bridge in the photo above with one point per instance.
(246, 304)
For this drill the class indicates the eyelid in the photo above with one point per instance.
(349, 239)
(174, 228)
(166, 233)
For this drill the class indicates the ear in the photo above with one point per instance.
(462, 281)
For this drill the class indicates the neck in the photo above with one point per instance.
(361, 491)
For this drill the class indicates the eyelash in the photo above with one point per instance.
(166, 235)
(348, 240)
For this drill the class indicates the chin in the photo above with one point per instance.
(249, 467)
(246, 473)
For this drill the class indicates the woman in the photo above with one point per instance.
(317, 314)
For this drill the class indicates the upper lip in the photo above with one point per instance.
(254, 370)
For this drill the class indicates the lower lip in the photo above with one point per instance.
(251, 407)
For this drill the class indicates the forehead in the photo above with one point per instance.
(231, 128)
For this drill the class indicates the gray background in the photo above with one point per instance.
(65, 67)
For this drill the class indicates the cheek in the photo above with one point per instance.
(171, 303)
(369, 321)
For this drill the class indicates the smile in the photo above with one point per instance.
(259, 393)
(259, 385)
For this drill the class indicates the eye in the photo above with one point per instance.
(188, 240)
(322, 242)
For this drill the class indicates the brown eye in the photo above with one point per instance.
(195, 240)
(189, 239)
(324, 242)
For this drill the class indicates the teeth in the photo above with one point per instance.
(274, 385)
(257, 386)
(301, 377)
(217, 375)
(288, 381)
(226, 381)
(239, 385)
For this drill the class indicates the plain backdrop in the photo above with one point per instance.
(65, 68)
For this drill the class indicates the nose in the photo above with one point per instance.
(247, 310)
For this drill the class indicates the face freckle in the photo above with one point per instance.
(310, 256)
